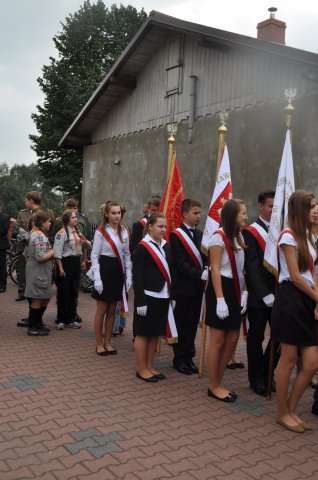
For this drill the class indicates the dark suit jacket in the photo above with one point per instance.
(146, 274)
(259, 281)
(186, 276)
(137, 235)
(4, 227)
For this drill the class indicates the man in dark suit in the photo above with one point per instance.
(189, 274)
(4, 245)
(261, 288)
(138, 228)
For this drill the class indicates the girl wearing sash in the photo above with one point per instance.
(38, 255)
(295, 310)
(151, 277)
(226, 296)
(111, 265)
(68, 252)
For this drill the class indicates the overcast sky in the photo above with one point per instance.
(28, 26)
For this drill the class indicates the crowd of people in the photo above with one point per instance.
(172, 279)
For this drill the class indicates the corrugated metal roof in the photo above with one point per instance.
(122, 76)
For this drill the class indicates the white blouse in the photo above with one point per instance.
(225, 267)
(288, 239)
(102, 247)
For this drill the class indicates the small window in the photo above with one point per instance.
(175, 63)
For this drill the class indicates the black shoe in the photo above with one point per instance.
(2, 290)
(259, 388)
(183, 368)
(20, 298)
(160, 376)
(314, 408)
(228, 399)
(23, 323)
(43, 327)
(37, 332)
(103, 353)
(77, 318)
(192, 367)
(152, 379)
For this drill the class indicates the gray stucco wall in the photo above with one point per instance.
(255, 141)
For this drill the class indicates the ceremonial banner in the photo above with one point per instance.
(222, 192)
(173, 197)
(284, 188)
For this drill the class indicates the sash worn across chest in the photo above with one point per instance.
(287, 230)
(114, 243)
(143, 222)
(162, 264)
(233, 265)
(259, 234)
(190, 247)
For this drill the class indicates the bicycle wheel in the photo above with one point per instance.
(13, 270)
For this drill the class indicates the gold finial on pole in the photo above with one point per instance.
(222, 132)
(172, 130)
(290, 94)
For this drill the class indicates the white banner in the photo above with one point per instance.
(284, 188)
(222, 192)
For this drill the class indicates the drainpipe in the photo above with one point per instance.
(193, 93)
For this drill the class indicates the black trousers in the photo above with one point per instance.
(186, 314)
(258, 361)
(3, 269)
(67, 289)
(21, 264)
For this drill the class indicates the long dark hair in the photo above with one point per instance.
(66, 215)
(229, 214)
(299, 206)
(108, 206)
(38, 218)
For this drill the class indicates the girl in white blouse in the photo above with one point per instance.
(295, 311)
(226, 296)
(111, 264)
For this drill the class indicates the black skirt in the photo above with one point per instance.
(155, 322)
(233, 321)
(292, 320)
(112, 279)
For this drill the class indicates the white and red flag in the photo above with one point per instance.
(222, 192)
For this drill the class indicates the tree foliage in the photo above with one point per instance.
(18, 180)
(88, 45)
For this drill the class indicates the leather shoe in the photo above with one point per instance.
(259, 388)
(152, 379)
(228, 399)
(20, 298)
(183, 368)
(192, 367)
(160, 376)
(23, 323)
(295, 428)
(2, 290)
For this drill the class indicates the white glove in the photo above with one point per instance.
(142, 311)
(269, 300)
(128, 284)
(205, 274)
(221, 308)
(173, 304)
(244, 298)
(98, 285)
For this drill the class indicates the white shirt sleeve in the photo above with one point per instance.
(216, 241)
(287, 239)
(96, 251)
(126, 255)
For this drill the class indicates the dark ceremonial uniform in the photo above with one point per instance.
(137, 233)
(260, 283)
(188, 296)
(4, 245)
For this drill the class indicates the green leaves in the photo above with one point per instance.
(88, 44)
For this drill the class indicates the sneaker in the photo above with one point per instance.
(73, 325)
(37, 332)
(60, 326)
(77, 318)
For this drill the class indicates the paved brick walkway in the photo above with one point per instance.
(68, 414)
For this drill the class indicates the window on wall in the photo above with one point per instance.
(175, 63)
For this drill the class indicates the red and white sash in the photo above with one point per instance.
(190, 247)
(113, 241)
(311, 260)
(143, 222)
(259, 233)
(162, 264)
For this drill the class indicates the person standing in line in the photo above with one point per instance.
(33, 203)
(67, 253)
(189, 274)
(226, 295)
(38, 255)
(295, 310)
(152, 287)
(4, 245)
(138, 228)
(261, 288)
(111, 265)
